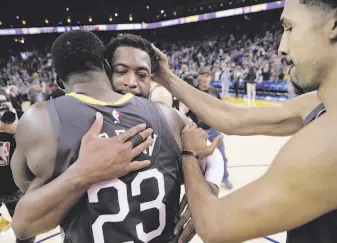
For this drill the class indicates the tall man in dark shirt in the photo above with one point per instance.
(251, 86)
(204, 80)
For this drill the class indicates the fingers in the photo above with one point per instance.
(210, 149)
(159, 53)
(141, 147)
(216, 142)
(138, 165)
(131, 132)
(146, 133)
(182, 205)
(96, 127)
(189, 126)
(188, 233)
(182, 221)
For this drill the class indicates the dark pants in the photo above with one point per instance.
(236, 89)
(212, 135)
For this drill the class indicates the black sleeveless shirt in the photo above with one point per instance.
(7, 148)
(324, 228)
(140, 207)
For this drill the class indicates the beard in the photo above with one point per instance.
(302, 87)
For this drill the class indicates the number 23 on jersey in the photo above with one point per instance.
(120, 186)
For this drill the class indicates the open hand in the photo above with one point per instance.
(163, 71)
(102, 159)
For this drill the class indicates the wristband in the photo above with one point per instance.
(188, 153)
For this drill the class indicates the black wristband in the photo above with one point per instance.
(190, 154)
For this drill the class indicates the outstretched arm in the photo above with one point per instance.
(282, 120)
(270, 204)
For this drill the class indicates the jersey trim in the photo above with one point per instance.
(93, 101)
(153, 87)
(317, 112)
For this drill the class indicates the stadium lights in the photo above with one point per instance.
(24, 22)
(162, 11)
(68, 20)
(90, 19)
(17, 17)
(147, 7)
(67, 9)
(153, 25)
(164, 15)
(116, 14)
(110, 19)
(0, 23)
(130, 18)
(46, 21)
(174, 13)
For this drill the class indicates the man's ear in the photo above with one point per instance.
(333, 27)
(107, 69)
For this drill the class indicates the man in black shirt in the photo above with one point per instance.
(9, 193)
(251, 86)
(204, 80)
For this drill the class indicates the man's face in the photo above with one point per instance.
(306, 43)
(204, 79)
(131, 71)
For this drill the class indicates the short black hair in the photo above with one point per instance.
(77, 52)
(130, 40)
(323, 4)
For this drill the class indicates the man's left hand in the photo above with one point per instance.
(195, 140)
(185, 227)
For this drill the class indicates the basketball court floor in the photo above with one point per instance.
(248, 159)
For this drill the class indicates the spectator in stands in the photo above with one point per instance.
(237, 75)
(225, 82)
(251, 85)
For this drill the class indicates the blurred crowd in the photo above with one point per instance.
(235, 55)
(29, 77)
(231, 58)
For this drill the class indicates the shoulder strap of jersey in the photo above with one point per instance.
(54, 117)
(153, 87)
(317, 112)
(57, 126)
